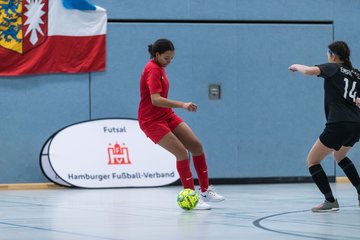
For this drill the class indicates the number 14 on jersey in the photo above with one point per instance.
(352, 92)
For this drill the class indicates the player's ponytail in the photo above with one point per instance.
(160, 46)
(342, 50)
(150, 50)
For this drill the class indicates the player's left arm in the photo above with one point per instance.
(307, 70)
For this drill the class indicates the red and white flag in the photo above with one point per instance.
(51, 36)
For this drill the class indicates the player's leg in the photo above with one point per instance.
(160, 133)
(172, 144)
(184, 133)
(351, 132)
(317, 153)
(348, 167)
(341, 153)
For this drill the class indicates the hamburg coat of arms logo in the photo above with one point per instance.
(23, 24)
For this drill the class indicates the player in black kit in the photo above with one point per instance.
(342, 130)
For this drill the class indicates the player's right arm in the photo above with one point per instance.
(159, 101)
(305, 69)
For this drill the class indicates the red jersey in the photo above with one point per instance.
(153, 80)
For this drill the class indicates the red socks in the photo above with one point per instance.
(184, 171)
(202, 171)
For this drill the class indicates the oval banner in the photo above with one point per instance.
(109, 153)
(46, 167)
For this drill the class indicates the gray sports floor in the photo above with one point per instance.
(254, 212)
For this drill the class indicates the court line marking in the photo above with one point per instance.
(257, 223)
(57, 231)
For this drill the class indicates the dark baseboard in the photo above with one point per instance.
(259, 180)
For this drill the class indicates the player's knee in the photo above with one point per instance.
(311, 162)
(338, 156)
(181, 154)
(196, 148)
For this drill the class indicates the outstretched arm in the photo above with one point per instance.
(305, 69)
(160, 101)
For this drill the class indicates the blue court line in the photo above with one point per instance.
(257, 223)
(26, 203)
(47, 229)
(58, 231)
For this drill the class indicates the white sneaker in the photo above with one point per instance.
(210, 195)
(201, 205)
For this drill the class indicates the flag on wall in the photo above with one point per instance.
(51, 36)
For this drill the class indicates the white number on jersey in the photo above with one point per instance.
(352, 92)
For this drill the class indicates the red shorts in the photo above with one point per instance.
(156, 130)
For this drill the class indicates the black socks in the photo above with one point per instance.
(350, 171)
(322, 182)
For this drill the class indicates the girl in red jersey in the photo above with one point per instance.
(164, 127)
(342, 130)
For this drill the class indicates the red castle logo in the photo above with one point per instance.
(118, 155)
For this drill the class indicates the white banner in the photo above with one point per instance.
(46, 166)
(107, 153)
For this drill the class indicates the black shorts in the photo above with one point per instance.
(336, 135)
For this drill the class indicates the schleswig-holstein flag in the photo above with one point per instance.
(51, 36)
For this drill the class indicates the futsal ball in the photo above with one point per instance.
(187, 199)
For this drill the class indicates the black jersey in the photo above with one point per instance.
(341, 87)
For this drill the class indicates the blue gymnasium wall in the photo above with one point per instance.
(267, 118)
